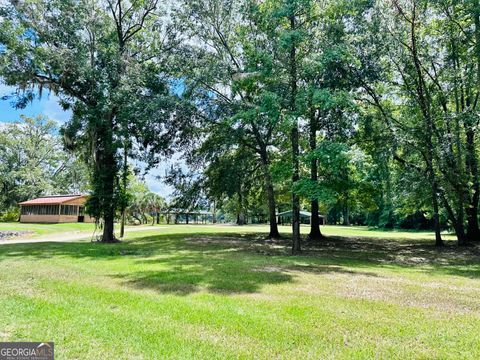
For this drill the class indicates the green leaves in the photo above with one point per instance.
(107, 61)
(33, 163)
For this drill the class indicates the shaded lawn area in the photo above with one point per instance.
(181, 293)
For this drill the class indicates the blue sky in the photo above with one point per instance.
(48, 106)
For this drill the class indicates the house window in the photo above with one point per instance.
(40, 210)
(69, 210)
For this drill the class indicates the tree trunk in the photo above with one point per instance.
(473, 231)
(460, 226)
(108, 236)
(214, 215)
(315, 233)
(136, 217)
(122, 224)
(346, 215)
(294, 137)
(460, 233)
(296, 247)
(423, 102)
(436, 218)
(241, 218)
(106, 174)
(241, 212)
(109, 211)
(272, 216)
(124, 184)
(457, 223)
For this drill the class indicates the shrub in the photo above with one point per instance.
(10, 214)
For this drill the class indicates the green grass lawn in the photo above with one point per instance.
(348, 231)
(44, 229)
(223, 292)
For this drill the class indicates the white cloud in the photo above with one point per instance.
(154, 177)
(52, 110)
(156, 185)
(154, 180)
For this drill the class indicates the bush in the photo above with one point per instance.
(9, 215)
(416, 221)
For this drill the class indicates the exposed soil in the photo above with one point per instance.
(5, 235)
(405, 253)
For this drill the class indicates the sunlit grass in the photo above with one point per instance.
(329, 230)
(43, 229)
(209, 292)
(285, 230)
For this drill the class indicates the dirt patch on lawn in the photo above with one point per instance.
(248, 242)
(353, 269)
(386, 252)
(369, 250)
(220, 240)
(432, 295)
(6, 235)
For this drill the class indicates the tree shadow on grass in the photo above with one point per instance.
(419, 254)
(232, 263)
(244, 268)
(169, 263)
(141, 247)
(215, 279)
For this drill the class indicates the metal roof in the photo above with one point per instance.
(302, 213)
(51, 200)
(189, 212)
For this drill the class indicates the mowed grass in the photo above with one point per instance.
(347, 231)
(215, 292)
(44, 229)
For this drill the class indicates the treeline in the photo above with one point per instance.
(365, 111)
(33, 163)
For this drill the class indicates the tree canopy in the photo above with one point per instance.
(365, 112)
(33, 163)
